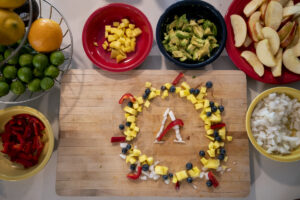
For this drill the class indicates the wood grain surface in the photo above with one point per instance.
(89, 165)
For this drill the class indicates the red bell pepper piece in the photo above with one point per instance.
(171, 125)
(218, 126)
(177, 186)
(127, 96)
(135, 176)
(178, 78)
(117, 139)
(213, 179)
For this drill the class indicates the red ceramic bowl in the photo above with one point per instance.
(237, 7)
(94, 29)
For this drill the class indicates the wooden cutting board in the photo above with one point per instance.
(89, 165)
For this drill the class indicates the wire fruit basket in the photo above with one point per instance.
(45, 10)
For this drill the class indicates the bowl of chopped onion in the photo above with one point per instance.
(273, 124)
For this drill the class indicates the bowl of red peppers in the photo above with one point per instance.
(26, 142)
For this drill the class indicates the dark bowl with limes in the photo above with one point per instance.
(194, 9)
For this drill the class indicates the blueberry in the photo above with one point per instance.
(202, 153)
(124, 150)
(221, 108)
(145, 96)
(192, 90)
(165, 177)
(214, 109)
(128, 147)
(209, 183)
(208, 114)
(189, 180)
(211, 104)
(170, 175)
(130, 104)
(121, 127)
(216, 133)
(218, 138)
(189, 166)
(173, 88)
(132, 167)
(197, 91)
(163, 88)
(147, 91)
(209, 84)
(128, 124)
(221, 156)
(145, 167)
(222, 151)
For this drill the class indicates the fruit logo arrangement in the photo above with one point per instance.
(272, 37)
(145, 167)
(36, 65)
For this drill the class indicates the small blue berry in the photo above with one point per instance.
(189, 166)
(165, 177)
(209, 84)
(172, 88)
(218, 138)
(208, 114)
(211, 103)
(189, 180)
(192, 90)
(130, 104)
(128, 124)
(145, 167)
(170, 175)
(209, 183)
(121, 127)
(221, 108)
(132, 167)
(145, 96)
(202, 153)
(216, 133)
(222, 151)
(128, 147)
(214, 109)
(197, 91)
(147, 91)
(163, 88)
(221, 156)
(124, 150)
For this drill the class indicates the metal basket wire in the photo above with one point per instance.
(46, 10)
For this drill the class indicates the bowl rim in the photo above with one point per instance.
(256, 100)
(141, 59)
(209, 7)
(47, 124)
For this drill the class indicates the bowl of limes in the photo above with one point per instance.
(35, 61)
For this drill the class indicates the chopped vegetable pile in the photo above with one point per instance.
(190, 39)
(22, 139)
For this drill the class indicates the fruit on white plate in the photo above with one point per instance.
(272, 36)
(239, 29)
(291, 10)
(248, 41)
(273, 15)
(252, 6)
(258, 30)
(277, 70)
(291, 61)
(289, 37)
(252, 59)
(255, 17)
(264, 53)
(285, 30)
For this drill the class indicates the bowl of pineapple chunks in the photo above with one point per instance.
(117, 37)
(191, 33)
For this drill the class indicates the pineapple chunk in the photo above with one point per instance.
(142, 158)
(198, 106)
(157, 92)
(120, 58)
(181, 175)
(136, 129)
(211, 153)
(125, 21)
(184, 85)
(131, 119)
(129, 33)
(194, 172)
(204, 161)
(229, 138)
(165, 94)
(130, 110)
(131, 26)
(116, 24)
(148, 84)
(206, 127)
(115, 44)
(112, 38)
(108, 28)
(140, 108)
(135, 105)
(136, 152)
(150, 160)
(161, 170)
(203, 90)
(212, 164)
(152, 95)
(209, 131)
(147, 104)
(130, 159)
(222, 133)
(193, 99)
(209, 137)
(178, 89)
(174, 179)
(140, 100)
(206, 103)
(136, 32)
(168, 85)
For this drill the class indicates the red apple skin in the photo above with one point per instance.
(290, 37)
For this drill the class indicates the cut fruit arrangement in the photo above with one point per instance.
(270, 36)
(144, 167)
(36, 65)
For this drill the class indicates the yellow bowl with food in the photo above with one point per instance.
(271, 124)
(28, 141)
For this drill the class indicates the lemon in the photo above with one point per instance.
(12, 27)
(11, 3)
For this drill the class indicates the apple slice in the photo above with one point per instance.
(247, 42)
(272, 36)
(252, 6)
(286, 20)
(277, 70)
(291, 61)
(263, 9)
(296, 39)
(252, 59)
(282, 2)
(255, 17)
(264, 53)
(258, 30)
(290, 36)
(273, 15)
(285, 30)
(289, 3)
(239, 29)
(291, 10)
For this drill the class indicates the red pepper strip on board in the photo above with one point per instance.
(213, 179)
(177, 186)
(117, 139)
(177, 79)
(135, 176)
(171, 125)
(217, 126)
(127, 96)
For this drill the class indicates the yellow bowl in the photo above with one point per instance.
(10, 171)
(293, 93)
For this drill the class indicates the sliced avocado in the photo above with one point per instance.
(181, 21)
(193, 23)
(200, 21)
(182, 34)
(184, 42)
(191, 48)
(198, 31)
(212, 26)
(187, 28)
(197, 42)
(207, 31)
(183, 59)
(177, 54)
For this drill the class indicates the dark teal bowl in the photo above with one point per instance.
(194, 9)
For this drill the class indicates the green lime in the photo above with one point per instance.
(47, 83)
(40, 61)
(14, 60)
(34, 85)
(2, 48)
(51, 71)
(57, 58)
(10, 72)
(1, 58)
(4, 89)
(25, 60)
(25, 74)
(17, 87)
(38, 73)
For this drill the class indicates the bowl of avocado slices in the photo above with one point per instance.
(191, 33)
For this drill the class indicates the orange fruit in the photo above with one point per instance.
(45, 35)
(11, 3)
